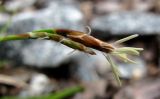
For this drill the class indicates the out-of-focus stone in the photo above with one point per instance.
(133, 71)
(157, 5)
(10, 85)
(15, 5)
(4, 17)
(107, 6)
(87, 9)
(58, 14)
(90, 68)
(93, 89)
(39, 84)
(127, 23)
(147, 89)
(44, 53)
(142, 5)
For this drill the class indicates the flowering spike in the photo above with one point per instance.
(83, 42)
(126, 39)
(114, 69)
(127, 50)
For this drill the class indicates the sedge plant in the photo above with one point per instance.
(83, 42)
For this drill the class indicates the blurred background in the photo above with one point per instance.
(39, 67)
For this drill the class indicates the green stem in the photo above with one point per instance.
(13, 37)
(50, 36)
(67, 92)
(58, 95)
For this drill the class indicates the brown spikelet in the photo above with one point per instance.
(85, 39)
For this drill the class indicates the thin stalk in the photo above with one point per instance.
(126, 39)
(14, 37)
(63, 94)
(114, 69)
(55, 37)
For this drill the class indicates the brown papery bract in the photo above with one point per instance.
(86, 40)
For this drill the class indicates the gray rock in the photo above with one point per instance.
(96, 67)
(127, 23)
(68, 16)
(15, 5)
(130, 70)
(39, 84)
(3, 17)
(41, 53)
(44, 53)
(144, 89)
(91, 67)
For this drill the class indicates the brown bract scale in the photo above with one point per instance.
(86, 40)
(79, 46)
